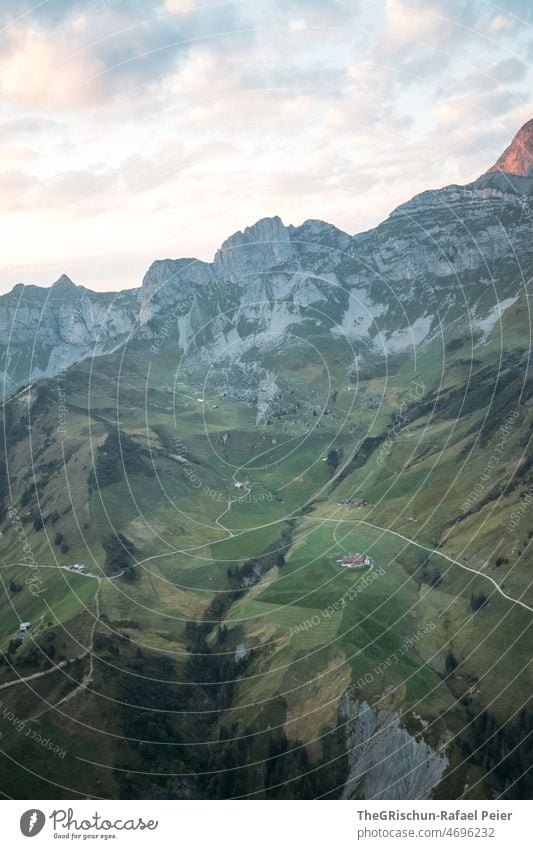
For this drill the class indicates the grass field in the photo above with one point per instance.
(242, 596)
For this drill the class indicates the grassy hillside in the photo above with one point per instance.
(217, 614)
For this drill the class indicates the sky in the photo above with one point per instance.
(135, 130)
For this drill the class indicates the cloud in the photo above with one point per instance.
(35, 71)
(27, 125)
(181, 6)
(81, 53)
(490, 76)
(14, 183)
(168, 125)
(461, 110)
(406, 21)
(508, 70)
(431, 22)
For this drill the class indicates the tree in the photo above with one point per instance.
(451, 663)
(477, 601)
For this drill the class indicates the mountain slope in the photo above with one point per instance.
(307, 395)
(219, 615)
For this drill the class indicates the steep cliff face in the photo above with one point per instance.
(43, 331)
(455, 256)
(173, 284)
(384, 760)
(265, 245)
(447, 255)
(262, 281)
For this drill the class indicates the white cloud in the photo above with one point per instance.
(423, 25)
(37, 71)
(500, 23)
(195, 125)
(181, 6)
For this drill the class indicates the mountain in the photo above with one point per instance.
(445, 251)
(245, 425)
(43, 331)
(383, 289)
(517, 159)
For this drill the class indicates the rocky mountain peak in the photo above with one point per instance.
(517, 159)
(265, 244)
(64, 282)
(269, 278)
(263, 230)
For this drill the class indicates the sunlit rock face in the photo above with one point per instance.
(518, 157)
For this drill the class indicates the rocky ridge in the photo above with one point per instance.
(452, 255)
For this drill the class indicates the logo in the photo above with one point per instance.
(32, 822)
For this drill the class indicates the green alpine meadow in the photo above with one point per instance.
(266, 521)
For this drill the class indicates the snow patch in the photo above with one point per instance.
(493, 316)
(406, 337)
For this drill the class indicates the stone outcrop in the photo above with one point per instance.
(518, 157)
(384, 760)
